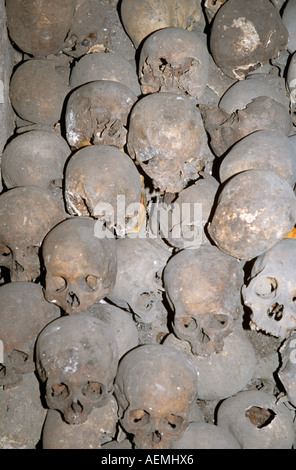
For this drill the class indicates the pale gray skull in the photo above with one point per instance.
(155, 387)
(271, 290)
(80, 269)
(76, 361)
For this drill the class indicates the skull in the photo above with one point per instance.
(39, 27)
(203, 289)
(263, 149)
(142, 17)
(271, 289)
(29, 159)
(257, 420)
(105, 66)
(103, 182)
(80, 269)
(138, 287)
(168, 140)
(97, 113)
(288, 14)
(287, 369)
(155, 387)
(27, 214)
(21, 304)
(240, 41)
(37, 91)
(76, 361)
(211, 8)
(250, 218)
(174, 60)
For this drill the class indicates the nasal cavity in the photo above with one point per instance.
(77, 407)
(72, 300)
(156, 438)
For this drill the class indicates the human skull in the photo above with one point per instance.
(271, 289)
(97, 113)
(240, 41)
(37, 91)
(23, 313)
(35, 158)
(105, 66)
(203, 289)
(138, 287)
(142, 17)
(167, 139)
(263, 149)
(39, 27)
(104, 183)
(27, 214)
(80, 269)
(174, 60)
(155, 388)
(288, 14)
(76, 361)
(287, 370)
(249, 218)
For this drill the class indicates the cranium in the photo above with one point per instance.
(203, 288)
(76, 361)
(287, 370)
(174, 60)
(104, 183)
(250, 218)
(21, 304)
(109, 66)
(167, 138)
(80, 269)
(39, 27)
(35, 158)
(97, 113)
(240, 41)
(37, 91)
(271, 290)
(138, 287)
(155, 387)
(27, 214)
(287, 16)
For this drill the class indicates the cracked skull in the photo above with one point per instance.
(203, 289)
(271, 290)
(155, 387)
(174, 60)
(76, 361)
(80, 269)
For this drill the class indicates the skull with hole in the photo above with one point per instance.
(105, 66)
(86, 25)
(249, 218)
(287, 370)
(138, 287)
(155, 388)
(27, 214)
(240, 42)
(167, 139)
(271, 290)
(174, 60)
(97, 113)
(257, 420)
(191, 212)
(37, 91)
(76, 361)
(142, 17)
(263, 149)
(35, 158)
(22, 304)
(39, 27)
(203, 289)
(104, 183)
(80, 268)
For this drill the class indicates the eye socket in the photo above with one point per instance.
(59, 284)
(60, 391)
(188, 324)
(139, 417)
(174, 423)
(92, 389)
(217, 322)
(266, 287)
(92, 282)
(5, 251)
